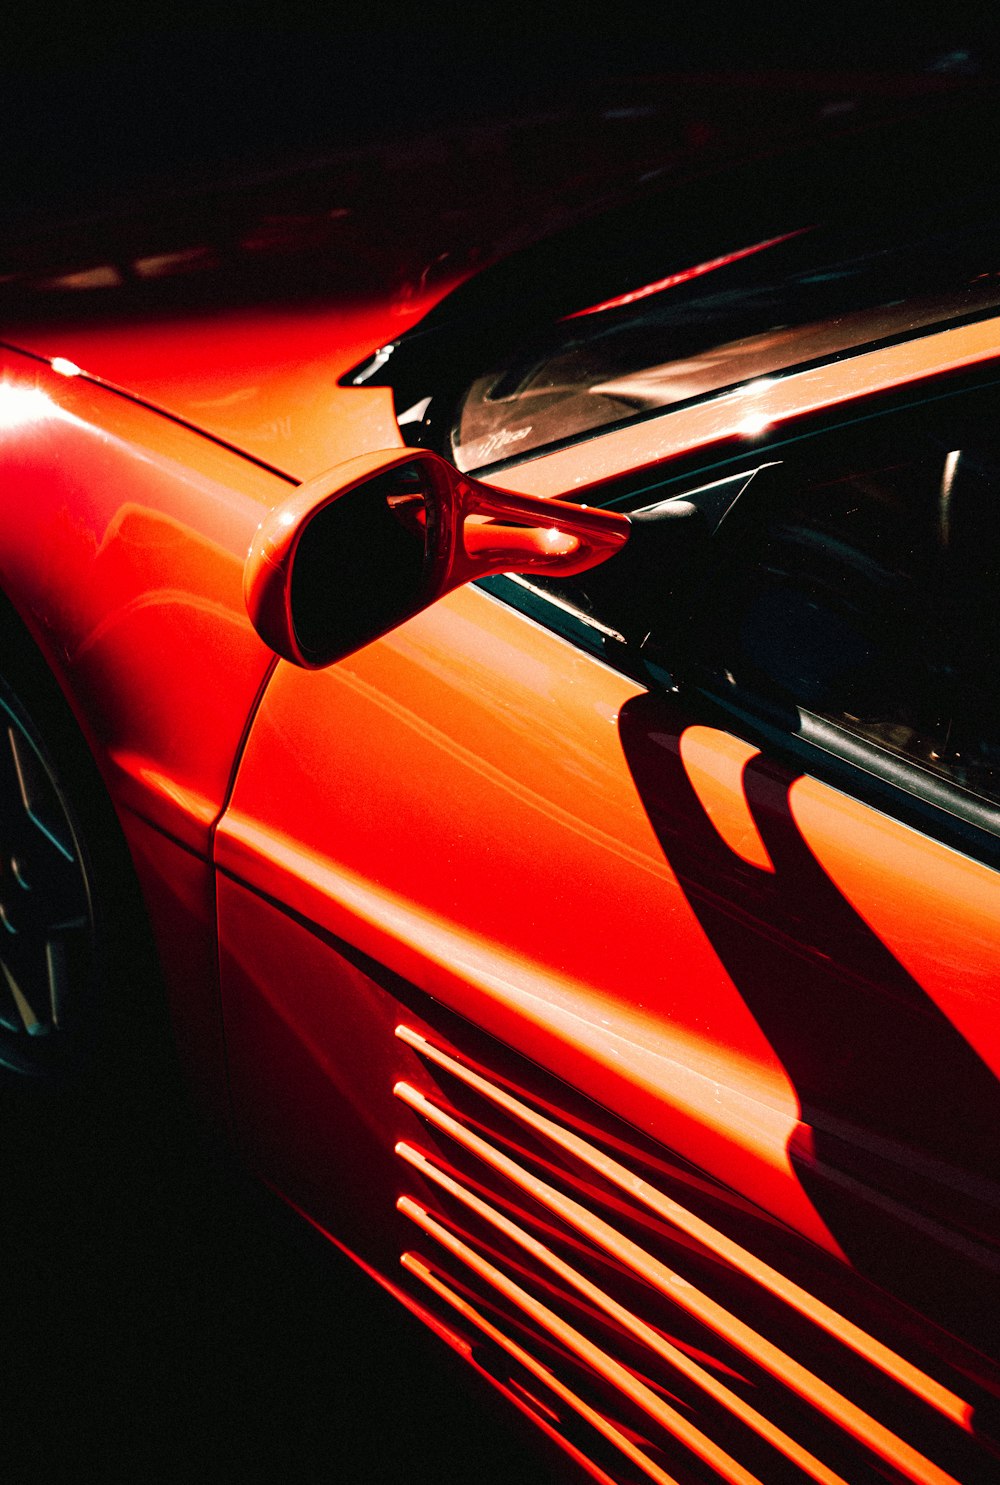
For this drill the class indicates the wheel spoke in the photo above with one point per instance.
(32, 1025)
(10, 1020)
(55, 903)
(39, 803)
(58, 974)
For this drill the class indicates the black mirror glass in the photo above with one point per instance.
(362, 564)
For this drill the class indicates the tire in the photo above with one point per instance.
(74, 941)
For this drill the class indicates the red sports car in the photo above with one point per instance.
(560, 763)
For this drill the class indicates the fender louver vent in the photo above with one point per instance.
(663, 1326)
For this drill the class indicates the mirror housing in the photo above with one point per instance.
(357, 551)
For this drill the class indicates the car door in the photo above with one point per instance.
(632, 1012)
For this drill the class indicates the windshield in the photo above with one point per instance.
(807, 296)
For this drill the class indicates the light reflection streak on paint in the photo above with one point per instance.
(645, 1049)
(21, 406)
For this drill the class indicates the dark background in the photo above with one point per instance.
(97, 104)
(407, 115)
(162, 1319)
(165, 1320)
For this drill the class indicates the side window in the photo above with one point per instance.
(864, 589)
(852, 599)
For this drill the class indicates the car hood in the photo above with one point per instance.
(263, 380)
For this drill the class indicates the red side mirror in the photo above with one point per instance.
(359, 550)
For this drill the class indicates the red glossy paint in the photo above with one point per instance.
(648, 937)
(126, 561)
(602, 1035)
(416, 1266)
(938, 1397)
(542, 910)
(123, 552)
(671, 1355)
(263, 380)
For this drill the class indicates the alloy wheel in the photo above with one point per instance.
(46, 910)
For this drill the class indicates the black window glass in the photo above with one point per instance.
(867, 593)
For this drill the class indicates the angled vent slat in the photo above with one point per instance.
(895, 1451)
(417, 1266)
(814, 1468)
(916, 1381)
(598, 1360)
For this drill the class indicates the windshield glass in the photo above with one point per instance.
(793, 300)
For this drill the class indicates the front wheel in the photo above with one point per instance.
(49, 982)
(81, 999)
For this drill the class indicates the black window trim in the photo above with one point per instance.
(875, 777)
(953, 816)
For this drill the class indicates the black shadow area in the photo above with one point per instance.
(886, 1084)
(165, 1319)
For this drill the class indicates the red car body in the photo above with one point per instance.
(653, 1071)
